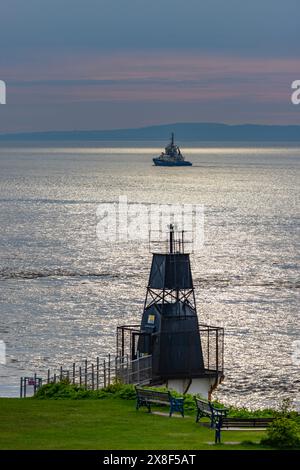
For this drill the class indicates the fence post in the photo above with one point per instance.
(97, 373)
(74, 369)
(138, 369)
(128, 371)
(217, 350)
(222, 350)
(48, 376)
(21, 387)
(208, 347)
(85, 373)
(109, 366)
(93, 383)
(123, 344)
(61, 373)
(25, 381)
(104, 372)
(116, 367)
(34, 385)
(80, 376)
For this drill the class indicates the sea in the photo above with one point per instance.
(64, 289)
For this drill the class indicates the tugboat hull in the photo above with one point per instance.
(158, 162)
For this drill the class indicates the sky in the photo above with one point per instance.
(106, 64)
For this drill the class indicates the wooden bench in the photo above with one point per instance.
(208, 410)
(238, 423)
(146, 397)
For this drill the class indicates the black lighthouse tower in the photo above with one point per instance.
(169, 327)
(170, 346)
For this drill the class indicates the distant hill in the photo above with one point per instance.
(193, 132)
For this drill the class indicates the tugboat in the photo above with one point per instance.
(172, 156)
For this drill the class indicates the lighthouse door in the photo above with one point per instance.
(140, 344)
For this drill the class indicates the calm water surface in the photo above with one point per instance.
(62, 292)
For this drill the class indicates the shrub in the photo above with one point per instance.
(119, 390)
(126, 392)
(284, 432)
(64, 389)
(246, 413)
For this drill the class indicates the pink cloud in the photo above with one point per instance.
(228, 88)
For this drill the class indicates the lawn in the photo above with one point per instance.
(105, 424)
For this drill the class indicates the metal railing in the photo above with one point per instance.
(136, 372)
(94, 375)
(212, 342)
(103, 372)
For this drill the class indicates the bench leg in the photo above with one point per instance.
(140, 403)
(218, 436)
(180, 410)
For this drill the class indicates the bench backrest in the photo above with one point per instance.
(203, 406)
(153, 394)
(246, 422)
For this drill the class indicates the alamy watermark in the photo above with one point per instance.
(2, 92)
(2, 353)
(121, 222)
(295, 97)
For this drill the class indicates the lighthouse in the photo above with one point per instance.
(185, 355)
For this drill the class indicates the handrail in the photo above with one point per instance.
(95, 376)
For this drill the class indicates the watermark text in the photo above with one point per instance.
(295, 97)
(123, 222)
(2, 92)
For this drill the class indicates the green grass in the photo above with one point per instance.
(109, 423)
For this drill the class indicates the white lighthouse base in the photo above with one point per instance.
(202, 386)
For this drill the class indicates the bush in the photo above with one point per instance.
(284, 432)
(246, 413)
(119, 390)
(64, 389)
